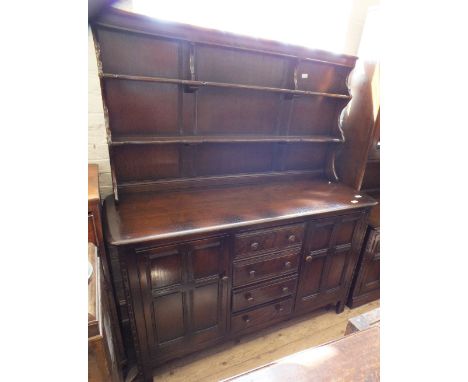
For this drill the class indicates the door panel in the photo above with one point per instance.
(344, 232)
(371, 266)
(207, 259)
(372, 280)
(320, 235)
(311, 276)
(166, 270)
(205, 307)
(169, 316)
(335, 272)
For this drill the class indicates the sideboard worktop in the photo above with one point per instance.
(143, 217)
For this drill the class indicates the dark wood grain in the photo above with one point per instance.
(332, 245)
(171, 84)
(255, 295)
(146, 217)
(252, 243)
(264, 267)
(258, 317)
(122, 21)
(227, 213)
(366, 284)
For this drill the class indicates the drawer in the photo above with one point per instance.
(261, 315)
(262, 267)
(248, 244)
(253, 296)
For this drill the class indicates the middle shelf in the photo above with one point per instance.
(196, 139)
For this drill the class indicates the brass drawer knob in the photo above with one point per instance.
(292, 239)
(285, 289)
(249, 297)
(287, 264)
(309, 259)
(246, 319)
(252, 273)
(279, 308)
(254, 246)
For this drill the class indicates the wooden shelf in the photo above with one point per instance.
(191, 139)
(197, 84)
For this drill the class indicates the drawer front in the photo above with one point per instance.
(248, 244)
(250, 297)
(261, 315)
(248, 272)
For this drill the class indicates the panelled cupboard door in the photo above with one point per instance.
(184, 291)
(371, 266)
(326, 260)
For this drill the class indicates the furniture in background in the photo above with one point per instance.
(227, 215)
(358, 164)
(363, 321)
(355, 357)
(105, 349)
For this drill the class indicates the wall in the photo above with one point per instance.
(97, 144)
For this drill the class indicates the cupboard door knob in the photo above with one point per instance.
(287, 264)
(254, 246)
(279, 308)
(246, 319)
(309, 259)
(285, 289)
(249, 297)
(292, 239)
(252, 273)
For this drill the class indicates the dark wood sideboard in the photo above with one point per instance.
(227, 213)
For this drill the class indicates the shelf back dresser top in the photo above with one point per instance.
(188, 107)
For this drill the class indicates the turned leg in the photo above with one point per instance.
(340, 307)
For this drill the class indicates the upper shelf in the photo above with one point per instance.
(195, 139)
(129, 22)
(196, 84)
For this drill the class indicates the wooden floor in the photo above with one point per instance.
(255, 350)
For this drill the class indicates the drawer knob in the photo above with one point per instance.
(292, 239)
(254, 246)
(287, 264)
(309, 259)
(249, 297)
(285, 289)
(246, 319)
(279, 308)
(252, 273)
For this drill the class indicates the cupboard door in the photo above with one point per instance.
(371, 264)
(184, 291)
(207, 272)
(326, 264)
